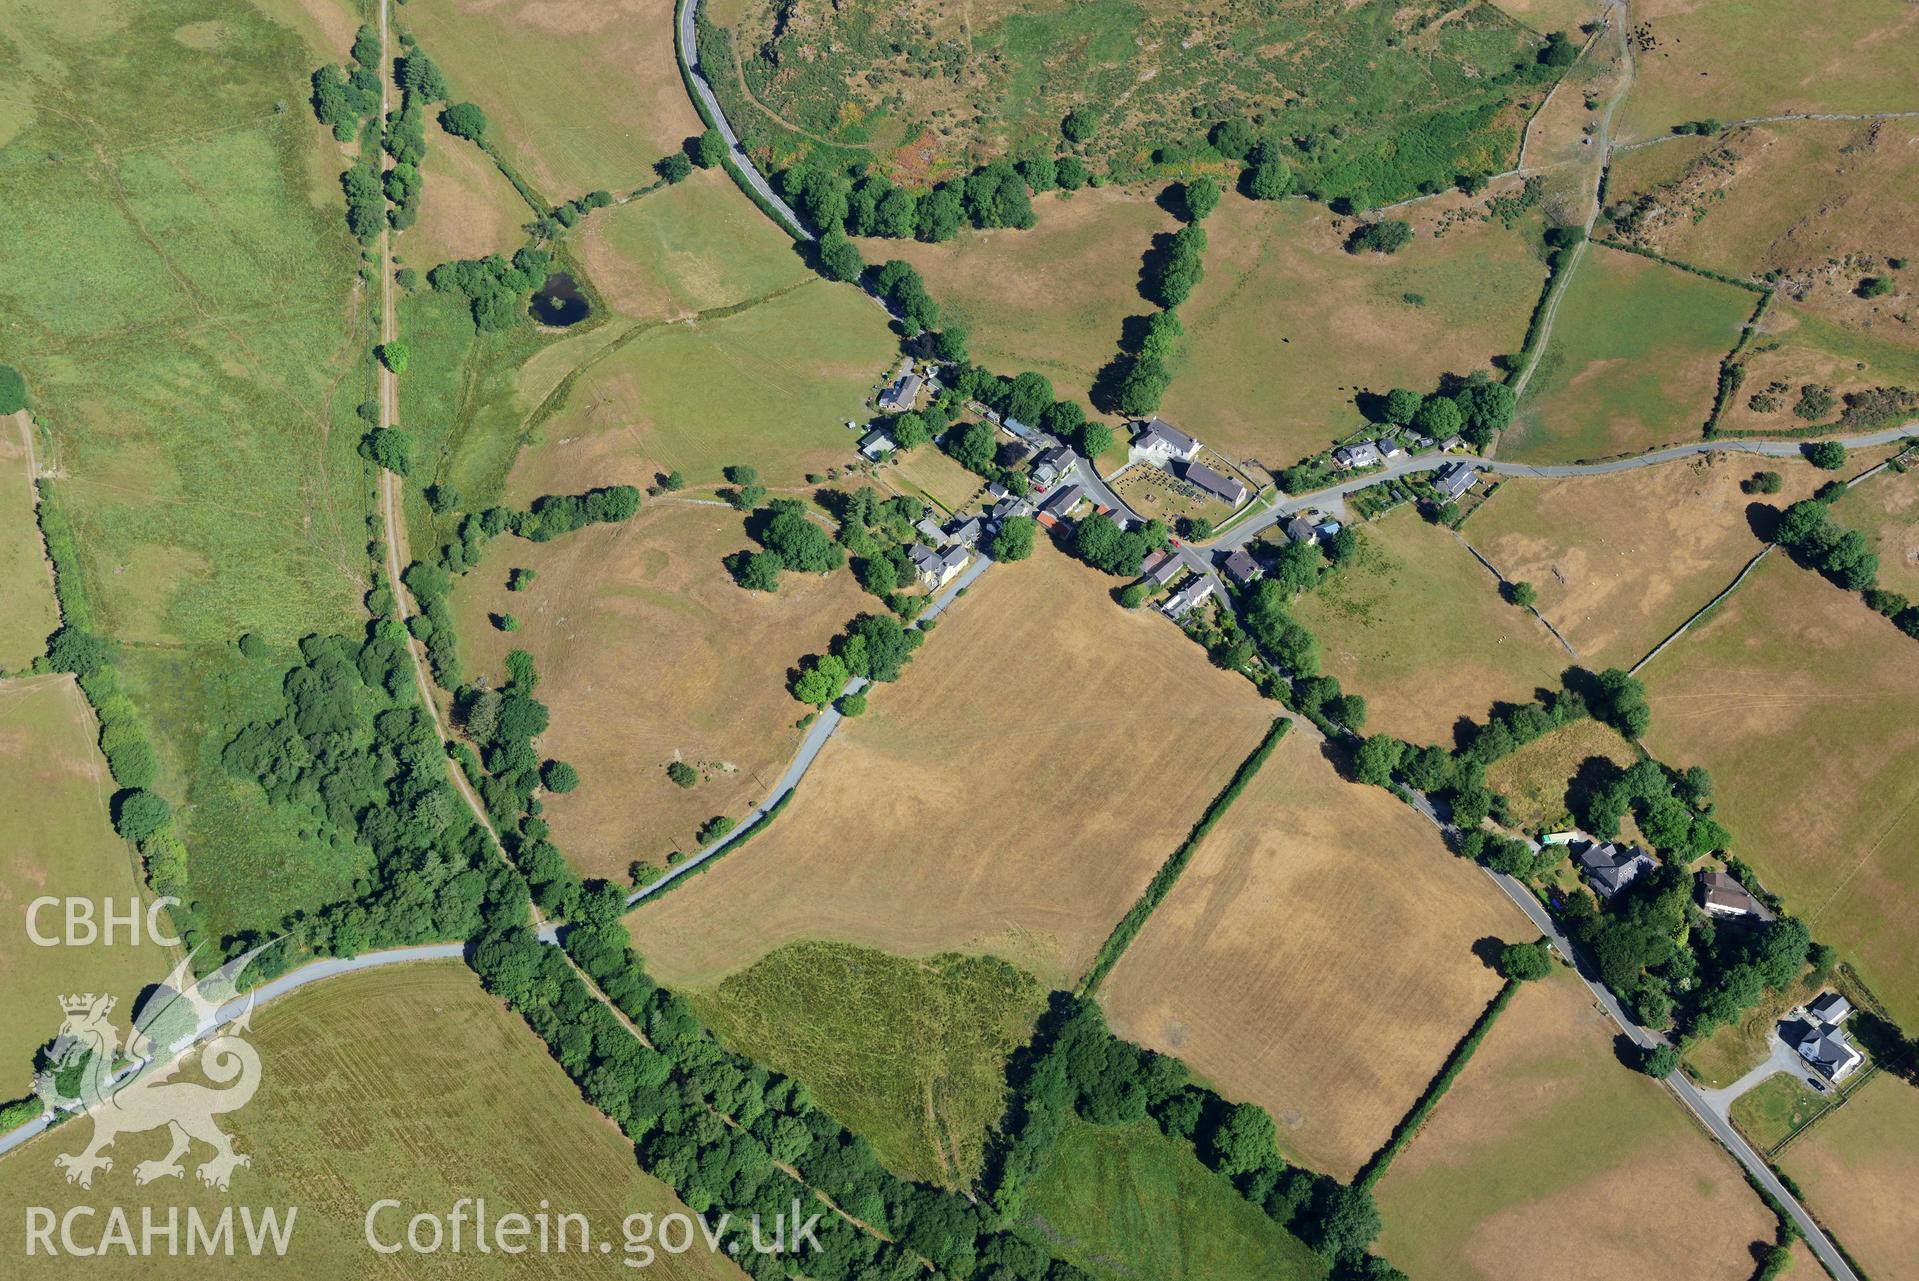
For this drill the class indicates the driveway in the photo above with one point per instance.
(1781, 1058)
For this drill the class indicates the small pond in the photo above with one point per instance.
(560, 302)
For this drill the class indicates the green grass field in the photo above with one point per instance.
(588, 97)
(1631, 363)
(1287, 326)
(1536, 778)
(1857, 1171)
(1473, 649)
(181, 295)
(25, 583)
(771, 384)
(693, 247)
(911, 1054)
(1053, 298)
(1772, 1111)
(1126, 1201)
(410, 1084)
(61, 844)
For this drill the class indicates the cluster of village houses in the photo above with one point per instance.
(1057, 491)
(1814, 1029)
(1056, 494)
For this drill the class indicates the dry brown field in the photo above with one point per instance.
(579, 96)
(1050, 298)
(1535, 778)
(467, 208)
(26, 582)
(1417, 579)
(1740, 59)
(1621, 560)
(1800, 343)
(1287, 327)
(1859, 1166)
(408, 1083)
(1545, 1146)
(697, 246)
(1797, 197)
(648, 653)
(1012, 794)
(1804, 704)
(1317, 957)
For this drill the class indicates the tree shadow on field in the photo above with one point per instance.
(1339, 755)
(1628, 1054)
(1487, 949)
(1763, 520)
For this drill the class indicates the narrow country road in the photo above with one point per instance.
(1696, 1102)
(1411, 466)
(816, 736)
(291, 981)
(686, 31)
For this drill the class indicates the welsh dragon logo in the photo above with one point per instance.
(128, 1087)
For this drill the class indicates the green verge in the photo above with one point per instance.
(1162, 883)
(731, 166)
(1376, 1167)
(739, 838)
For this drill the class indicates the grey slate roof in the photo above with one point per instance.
(1830, 1007)
(1213, 483)
(1157, 433)
(1240, 567)
(1364, 454)
(1063, 500)
(1454, 479)
(1612, 868)
(901, 394)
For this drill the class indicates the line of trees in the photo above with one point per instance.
(864, 202)
(1807, 530)
(1075, 1066)
(876, 647)
(725, 1133)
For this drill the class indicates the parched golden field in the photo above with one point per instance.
(1012, 794)
(1051, 298)
(649, 653)
(1535, 778)
(408, 1083)
(61, 843)
(1791, 197)
(1473, 649)
(1804, 704)
(1800, 343)
(26, 583)
(1549, 1158)
(696, 246)
(467, 208)
(579, 96)
(1738, 59)
(1857, 1169)
(1315, 958)
(1287, 327)
(1621, 560)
